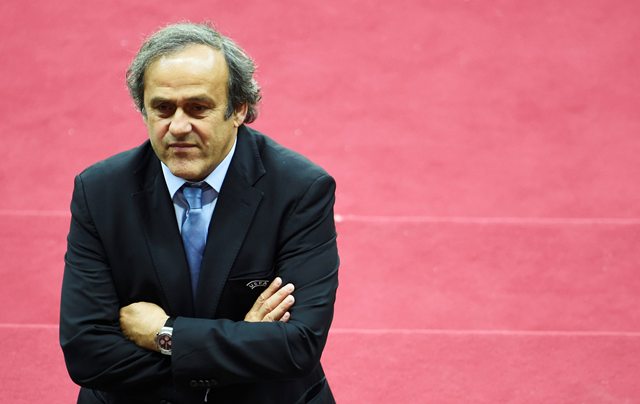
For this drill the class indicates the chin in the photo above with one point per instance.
(189, 169)
(185, 173)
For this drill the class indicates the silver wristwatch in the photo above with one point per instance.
(163, 340)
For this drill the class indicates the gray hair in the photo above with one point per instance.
(242, 87)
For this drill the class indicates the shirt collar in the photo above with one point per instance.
(214, 179)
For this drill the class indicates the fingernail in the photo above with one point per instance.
(277, 281)
(290, 299)
(289, 287)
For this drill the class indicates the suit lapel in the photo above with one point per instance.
(163, 239)
(237, 203)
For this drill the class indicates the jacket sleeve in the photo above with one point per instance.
(96, 352)
(225, 352)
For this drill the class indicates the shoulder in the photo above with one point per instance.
(125, 173)
(288, 181)
(119, 167)
(283, 163)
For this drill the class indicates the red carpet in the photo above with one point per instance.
(486, 155)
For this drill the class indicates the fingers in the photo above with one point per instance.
(281, 309)
(268, 292)
(273, 304)
(279, 303)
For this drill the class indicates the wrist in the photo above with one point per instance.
(169, 322)
(164, 337)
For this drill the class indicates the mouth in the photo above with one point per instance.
(179, 146)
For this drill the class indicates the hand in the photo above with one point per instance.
(141, 321)
(272, 304)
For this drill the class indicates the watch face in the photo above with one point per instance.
(164, 341)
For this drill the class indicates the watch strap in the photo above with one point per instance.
(169, 322)
(163, 340)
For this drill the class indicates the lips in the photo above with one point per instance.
(182, 147)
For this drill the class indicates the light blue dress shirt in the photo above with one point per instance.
(215, 180)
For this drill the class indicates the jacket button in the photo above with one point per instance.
(193, 383)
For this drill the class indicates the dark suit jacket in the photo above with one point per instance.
(274, 217)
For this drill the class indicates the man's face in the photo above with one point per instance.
(185, 98)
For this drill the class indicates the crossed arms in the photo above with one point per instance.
(277, 340)
(141, 321)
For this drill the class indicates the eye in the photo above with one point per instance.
(164, 109)
(198, 109)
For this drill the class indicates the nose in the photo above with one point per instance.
(180, 125)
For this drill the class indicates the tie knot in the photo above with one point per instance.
(193, 195)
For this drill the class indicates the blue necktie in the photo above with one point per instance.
(194, 231)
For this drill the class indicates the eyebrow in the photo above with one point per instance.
(199, 98)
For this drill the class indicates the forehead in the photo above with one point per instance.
(196, 67)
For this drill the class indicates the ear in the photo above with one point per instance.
(239, 115)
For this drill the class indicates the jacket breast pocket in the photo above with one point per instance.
(239, 295)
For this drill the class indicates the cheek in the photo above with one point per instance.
(205, 131)
(156, 130)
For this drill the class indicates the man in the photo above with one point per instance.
(183, 254)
